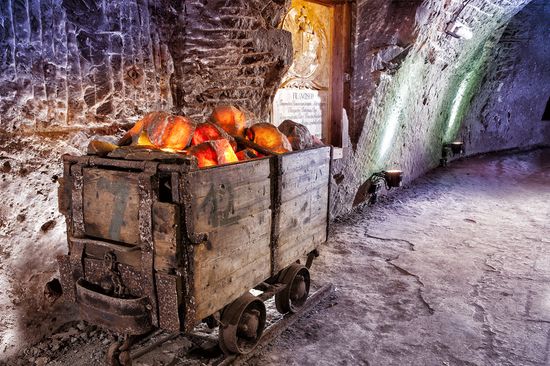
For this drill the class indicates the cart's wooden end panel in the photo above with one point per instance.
(304, 204)
(231, 205)
(111, 205)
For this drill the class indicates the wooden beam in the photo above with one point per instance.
(340, 66)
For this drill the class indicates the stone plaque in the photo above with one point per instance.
(304, 92)
(306, 106)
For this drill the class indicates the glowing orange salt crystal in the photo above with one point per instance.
(205, 132)
(231, 119)
(209, 131)
(160, 130)
(269, 137)
(213, 152)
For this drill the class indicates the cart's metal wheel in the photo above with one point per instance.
(294, 295)
(242, 324)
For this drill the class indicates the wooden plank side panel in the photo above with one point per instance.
(222, 209)
(294, 244)
(231, 205)
(312, 157)
(211, 272)
(111, 205)
(238, 174)
(290, 254)
(309, 180)
(242, 235)
(214, 297)
(300, 212)
(225, 195)
(303, 210)
(235, 259)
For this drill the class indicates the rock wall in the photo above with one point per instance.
(508, 106)
(410, 93)
(383, 34)
(71, 69)
(92, 63)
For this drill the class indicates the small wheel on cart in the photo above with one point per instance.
(294, 295)
(242, 324)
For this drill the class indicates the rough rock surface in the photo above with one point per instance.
(298, 135)
(67, 63)
(507, 111)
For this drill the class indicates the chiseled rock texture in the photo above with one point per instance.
(508, 108)
(82, 63)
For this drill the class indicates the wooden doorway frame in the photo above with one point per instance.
(340, 68)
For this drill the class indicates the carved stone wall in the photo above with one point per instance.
(67, 63)
(383, 33)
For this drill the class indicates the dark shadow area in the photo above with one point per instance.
(546, 114)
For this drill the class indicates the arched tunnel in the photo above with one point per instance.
(449, 267)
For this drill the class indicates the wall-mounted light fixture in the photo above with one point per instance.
(451, 149)
(388, 178)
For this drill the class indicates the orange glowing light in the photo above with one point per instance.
(213, 152)
(231, 119)
(205, 132)
(268, 136)
(160, 130)
(143, 140)
(209, 131)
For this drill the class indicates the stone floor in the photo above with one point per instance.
(453, 270)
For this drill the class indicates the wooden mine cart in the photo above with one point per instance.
(163, 244)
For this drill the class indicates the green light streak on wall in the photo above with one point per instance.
(468, 81)
(393, 117)
(456, 107)
(394, 114)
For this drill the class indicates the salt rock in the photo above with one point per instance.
(207, 131)
(269, 137)
(213, 152)
(298, 135)
(100, 148)
(160, 130)
(247, 154)
(230, 118)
